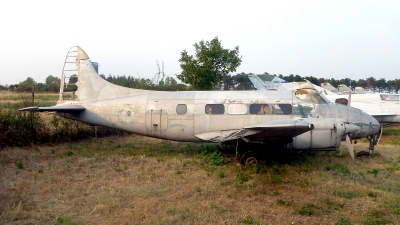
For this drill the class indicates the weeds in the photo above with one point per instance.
(66, 221)
(283, 202)
(221, 174)
(248, 220)
(343, 221)
(171, 211)
(26, 128)
(184, 214)
(242, 177)
(20, 165)
(216, 158)
(374, 172)
(306, 210)
(341, 168)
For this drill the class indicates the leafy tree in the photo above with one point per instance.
(313, 80)
(53, 83)
(26, 85)
(361, 83)
(381, 84)
(211, 63)
(40, 87)
(242, 82)
(371, 83)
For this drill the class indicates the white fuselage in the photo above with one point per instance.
(157, 114)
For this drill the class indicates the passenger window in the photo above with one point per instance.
(237, 109)
(261, 109)
(285, 109)
(181, 109)
(270, 109)
(215, 109)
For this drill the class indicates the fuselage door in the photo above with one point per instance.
(156, 119)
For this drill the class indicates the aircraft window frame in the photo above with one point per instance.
(261, 109)
(214, 109)
(311, 96)
(283, 109)
(181, 109)
(237, 109)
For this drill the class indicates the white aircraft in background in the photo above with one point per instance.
(384, 107)
(300, 120)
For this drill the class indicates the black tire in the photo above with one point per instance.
(249, 159)
(363, 154)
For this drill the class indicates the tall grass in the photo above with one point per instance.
(27, 128)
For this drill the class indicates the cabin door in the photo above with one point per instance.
(156, 119)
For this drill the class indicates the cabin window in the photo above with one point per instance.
(268, 109)
(214, 109)
(237, 109)
(285, 109)
(262, 109)
(181, 109)
(389, 97)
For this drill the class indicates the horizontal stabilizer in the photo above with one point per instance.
(55, 109)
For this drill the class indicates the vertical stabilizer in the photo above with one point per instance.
(90, 86)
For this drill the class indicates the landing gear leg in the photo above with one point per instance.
(371, 145)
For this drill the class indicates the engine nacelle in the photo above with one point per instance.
(326, 135)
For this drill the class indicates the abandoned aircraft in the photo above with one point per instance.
(384, 107)
(300, 120)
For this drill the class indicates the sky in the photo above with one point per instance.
(324, 39)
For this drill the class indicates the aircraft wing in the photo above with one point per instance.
(273, 130)
(386, 119)
(76, 108)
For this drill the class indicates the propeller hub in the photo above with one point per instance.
(351, 128)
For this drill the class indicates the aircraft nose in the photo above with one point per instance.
(375, 125)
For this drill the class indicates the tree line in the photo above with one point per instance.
(237, 81)
(210, 68)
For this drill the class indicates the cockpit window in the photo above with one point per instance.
(310, 95)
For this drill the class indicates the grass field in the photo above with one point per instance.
(139, 180)
(10, 100)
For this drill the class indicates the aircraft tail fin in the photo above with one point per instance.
(90, 86)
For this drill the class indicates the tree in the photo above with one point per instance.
(26, 85)
(53, 83)
(211, 63)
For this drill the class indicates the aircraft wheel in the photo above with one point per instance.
(249, 159)
(363, 154)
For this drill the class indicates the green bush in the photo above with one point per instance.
(26, 128)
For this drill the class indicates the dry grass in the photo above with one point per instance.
(139, 180)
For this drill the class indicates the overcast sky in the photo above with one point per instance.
(324, 39)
